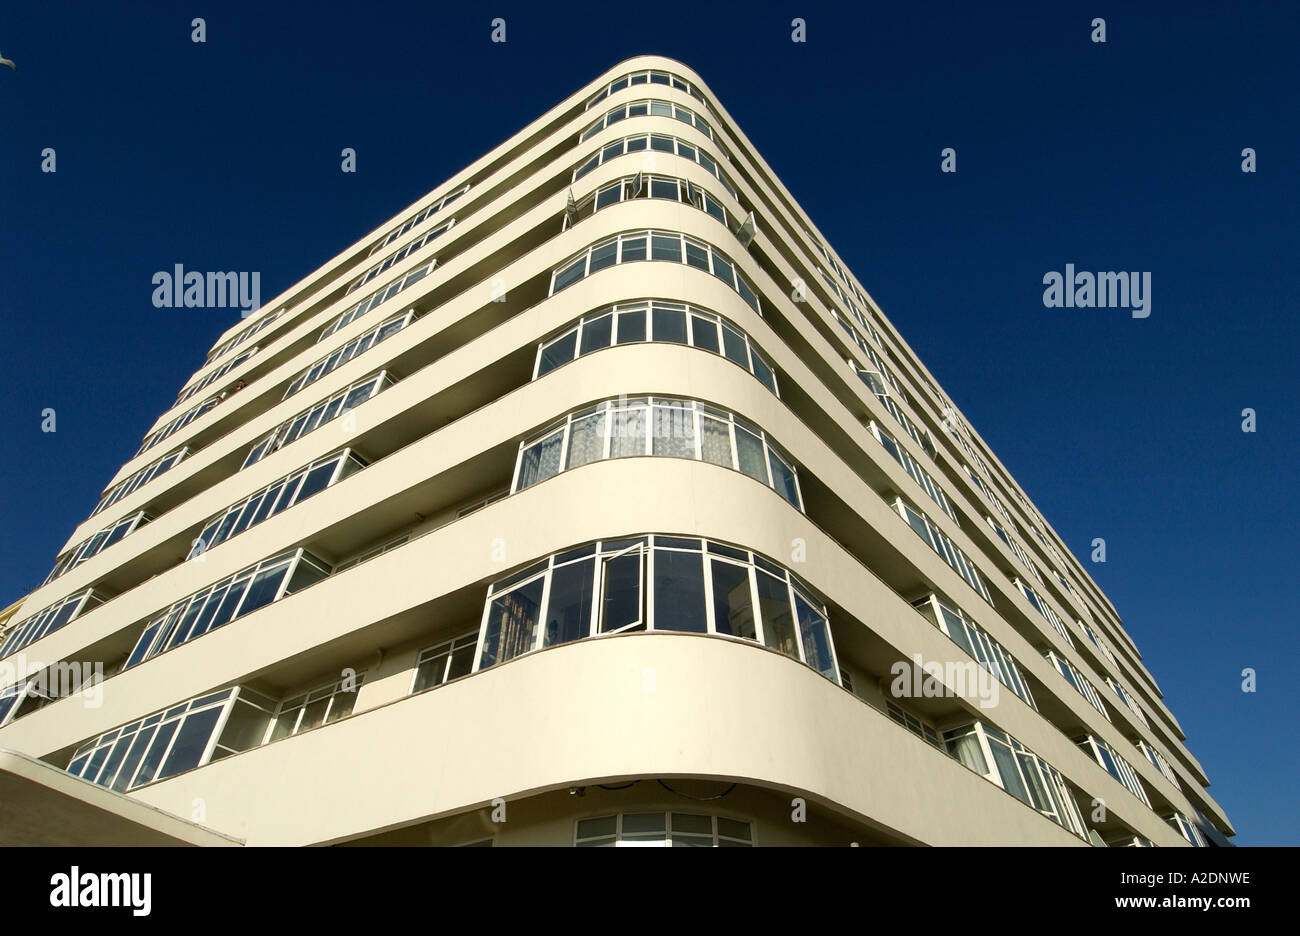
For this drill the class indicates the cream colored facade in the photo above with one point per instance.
(563, 728)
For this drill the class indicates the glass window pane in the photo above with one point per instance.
(195, 732)
(704, 333)
(816, 638)
(734, 346)
(666, 247)
(558, 352)
(664, 188)
(586, 439)
(603, 256)
(633, 249)
(628, 432)
(715, 441)
(597, 333)
(153, 757)
(783, 479)
(570, 274)
(669, 325)
(749, 448)
(679, 592)
(264, 587)
(722, 269)
(631, 326)
(674, 430)
(764, 373)
(317, 480)
(733, 606)
(1006, 763)
(512, 624)
(540, 460)
(778, 623)
(697, 256)
(621, 600)
(568, 610)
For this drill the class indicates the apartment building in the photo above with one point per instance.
(591, 500)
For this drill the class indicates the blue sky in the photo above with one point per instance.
(1117, 156)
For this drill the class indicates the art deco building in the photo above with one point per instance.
(590, 500)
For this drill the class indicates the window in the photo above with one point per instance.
(350, 350)
(912, 467)
(657, 143)
(326, 411)
(1015, 548)
(646, 186)
(141, 477)
(1114, 765)
(977, 643)
(419, 218)
(96, 544)
(277, 498)
(912, 723)
(641, 109)
(662, 830)
(319, 706)
(631, 247)
(401, 254)
(213, 376)
(1044, 609)
(656, 426)
(1187, 829)
(260, 325)
(167, 743)
(444, 662)
(659, 583)
(1076, 679)
(176, 425)
(1158, 761)
(641, 78)
(379, 296)
(924, 527)
(48, 620)
(1003, 760)
(217, 605)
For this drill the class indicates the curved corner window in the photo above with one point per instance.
(640, 78)
(654, 245)
(656, 426)
(654, 320)
(659, 143)
(666, 188)
(655, 583)
(652, 109)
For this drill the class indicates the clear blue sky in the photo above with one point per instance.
(1122, 156)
